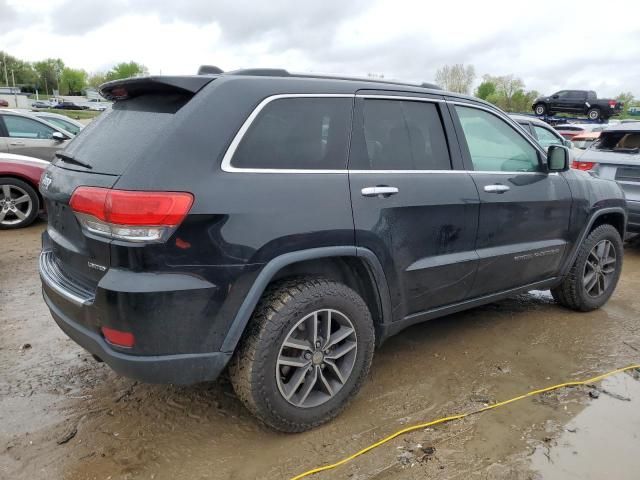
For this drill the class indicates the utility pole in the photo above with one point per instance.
(4, 62)
(15, 93)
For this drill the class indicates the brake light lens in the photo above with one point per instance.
(118, 337)
(612, 103)
(584, 166)
(130, 215)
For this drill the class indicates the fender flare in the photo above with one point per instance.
(574, 253)
(272, 267)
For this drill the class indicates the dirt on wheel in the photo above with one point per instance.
(64, 415)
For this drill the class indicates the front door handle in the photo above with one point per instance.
(16, 144)
(380, 191)
(497, 188)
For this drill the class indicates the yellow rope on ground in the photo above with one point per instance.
(459, 416)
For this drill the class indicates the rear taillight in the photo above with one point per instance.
(612, 103)
(584, 166)
(130, 215)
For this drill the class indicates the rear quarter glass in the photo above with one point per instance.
(125, 133)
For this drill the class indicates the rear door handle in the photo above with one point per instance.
(379, 191)
(16, 144)
(497, 188)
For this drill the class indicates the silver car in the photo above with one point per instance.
(24, 134)
(616, 156)
(62, 121)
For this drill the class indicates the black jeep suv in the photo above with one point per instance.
(285, 225)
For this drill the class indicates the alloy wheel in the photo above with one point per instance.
(15, 205)
(600, 268)
(316, 358)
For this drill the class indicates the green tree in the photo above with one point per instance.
(49, 72)
(627, 99)
(126, 70)
(485, 89)
(509, 93)
(456, 78)
(72, 81)
(96, 79)
(23, 72)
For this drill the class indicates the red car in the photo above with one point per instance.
(20, 201)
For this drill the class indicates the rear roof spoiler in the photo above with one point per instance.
(132, 87)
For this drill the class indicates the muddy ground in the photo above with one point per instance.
(62, 415)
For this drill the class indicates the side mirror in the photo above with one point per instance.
(58, 137)
(557, 158)
(555, 96)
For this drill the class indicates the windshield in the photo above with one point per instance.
(622, 142)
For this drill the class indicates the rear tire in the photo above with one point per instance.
(594, 114)
(290, 312)
(19, 203)
(599, 260)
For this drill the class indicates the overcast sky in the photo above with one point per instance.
(551, 45)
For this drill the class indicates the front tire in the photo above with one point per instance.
(595, 273)
(19, 203)
(305, 355)
(540, 109)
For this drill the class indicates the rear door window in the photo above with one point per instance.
(401, 135)
(302, 133)
(621, 142)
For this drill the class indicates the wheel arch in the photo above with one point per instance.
(356, 267)
(615, 216)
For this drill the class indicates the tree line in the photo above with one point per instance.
(51, 74)
(507, 92)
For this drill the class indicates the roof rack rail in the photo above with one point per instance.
(261, 72)
(281, 72)
(209, 70)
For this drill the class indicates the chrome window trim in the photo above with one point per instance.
(228, 156)
(400, 97)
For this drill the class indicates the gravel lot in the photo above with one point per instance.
(63, 415)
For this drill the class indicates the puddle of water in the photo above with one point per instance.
(602, 441)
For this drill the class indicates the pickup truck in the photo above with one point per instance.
(582, 102)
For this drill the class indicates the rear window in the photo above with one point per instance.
(622, 142)
(298, 133)
(125, 133)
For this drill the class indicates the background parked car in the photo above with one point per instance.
(25, 134)
(541, 131)
(70, 106)
(97, 104)
(62, 121)
(616, 156)
(569, 130)
(40, 104)
(3, 103)
(584, 140)
(20, 201)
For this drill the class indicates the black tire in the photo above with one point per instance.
(594, 113)
(10, 212)
(572, 293)
(254, 370)
(540, 109)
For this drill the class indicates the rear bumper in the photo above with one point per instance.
(184, 369)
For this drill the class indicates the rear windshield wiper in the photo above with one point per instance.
(69, 159)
